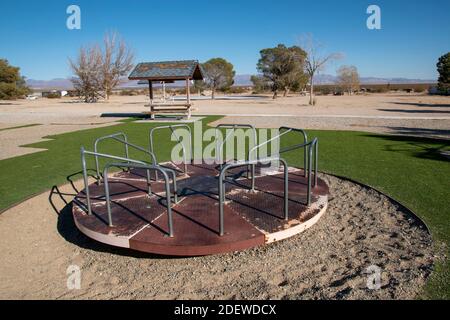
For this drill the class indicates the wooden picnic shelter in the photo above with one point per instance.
(168, 72)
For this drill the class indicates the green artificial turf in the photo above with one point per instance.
(411, 170)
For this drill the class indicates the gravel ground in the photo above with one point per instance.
(410, 114)
(361, 228)
(12, 140)
(432, 128)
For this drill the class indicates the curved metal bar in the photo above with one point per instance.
(222, 190)
(256, 148)
(128, 160)
(172, 127)
(139, 148)
(146, 167)
(312, 149)
(118, 134)
(86, 182)
(135, 146)
(316, 162)
(174, 182)
(219, 148)
(126, 143)
(305, 140)
(103, 155)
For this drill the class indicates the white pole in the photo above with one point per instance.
(164, 91)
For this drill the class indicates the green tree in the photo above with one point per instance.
(443, 67)
(283, 68)
(219, 74)
(12, 84)
(260, 84)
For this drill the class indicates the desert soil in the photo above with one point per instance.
(361, 228)
(409, 114)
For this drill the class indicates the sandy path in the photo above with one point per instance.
(361, 228)
(388, 105)
(66, 110)
(12, 140)
(387, 113)
(433, 128)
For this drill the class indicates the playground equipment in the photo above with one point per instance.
(199, 206)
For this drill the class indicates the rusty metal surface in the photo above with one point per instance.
(128, 216)
(196, 227)
(196, 217)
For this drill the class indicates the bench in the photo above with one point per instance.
(169, 108)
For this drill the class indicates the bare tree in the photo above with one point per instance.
(316, 60)
(99, 70)
(348, 78)
(117, 61)
(87, 70)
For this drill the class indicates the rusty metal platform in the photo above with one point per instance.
(251, 218)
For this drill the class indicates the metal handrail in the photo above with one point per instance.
(126, 143)
(118, 134)
(288, 129)
(171, 127)
(219, 148)
(256, 148)
(304, 145)
(313, 146)
(222, 182)
(108, 156)
(305, 140)
(146, 167)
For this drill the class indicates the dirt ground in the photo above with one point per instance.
(409, 114)
(361, 228)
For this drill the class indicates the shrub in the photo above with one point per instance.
(128, 92)
(53, 95)
(236, 90)
(10, 91)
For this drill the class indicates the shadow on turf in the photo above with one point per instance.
(69, 231)
(419, 147)
(124, 115)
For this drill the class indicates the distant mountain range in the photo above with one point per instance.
(244, 79)
(239, 80)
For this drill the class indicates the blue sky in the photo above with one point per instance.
(414, 33)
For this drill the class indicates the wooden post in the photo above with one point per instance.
(150, 90)
(188, 93)
(188, 97)
(164, 91)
